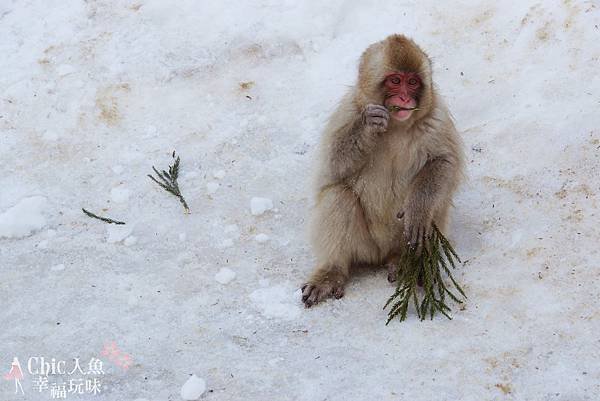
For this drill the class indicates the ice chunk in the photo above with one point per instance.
(219, 174)
(193, 388)
(23, 218)
(260, 205)
(225, 275)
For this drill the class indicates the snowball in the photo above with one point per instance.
(260, 205)
(262, 238)
(23, 218)
(182, 237)
(58, 267)
(118, 169)
(211, 187)
(225, 275)
(276, 302)
(193, 388)
(219, 174)
(119, 194)
(117, 232)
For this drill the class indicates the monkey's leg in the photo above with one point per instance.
(340, 236)
(326, 281)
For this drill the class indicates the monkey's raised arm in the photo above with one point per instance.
(352, 143)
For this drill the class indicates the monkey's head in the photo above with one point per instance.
(397, 74)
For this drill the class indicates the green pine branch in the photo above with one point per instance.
(104, 219)
(426, 268)
(168, 181)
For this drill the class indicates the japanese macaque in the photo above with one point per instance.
(390, 162)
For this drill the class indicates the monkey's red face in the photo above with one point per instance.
(402, 91)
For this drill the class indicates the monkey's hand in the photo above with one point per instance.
(376, 118)
(418, 225)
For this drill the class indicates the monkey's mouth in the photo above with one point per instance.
(395, 109)
(400, 113)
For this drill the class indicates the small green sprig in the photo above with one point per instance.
(425, 268)
(168, 181)
(394, 108)
(104, 219)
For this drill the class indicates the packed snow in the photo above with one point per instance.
(260, 205)
(119, 194)
(225, 275)
(24, 218)
(95, 93)
(58, 267)
(279, 301)
(118, 232)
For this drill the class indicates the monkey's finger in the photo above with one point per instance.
(393, 270)
(376, 107)
(306, 289)
(413, 237)
(338, 292)
(314, 297)
(427, 233)
(382, 122)
(382, 112)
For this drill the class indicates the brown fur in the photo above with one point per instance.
(367, 175)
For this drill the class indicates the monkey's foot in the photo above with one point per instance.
(314, 292)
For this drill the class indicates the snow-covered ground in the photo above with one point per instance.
(94, 93)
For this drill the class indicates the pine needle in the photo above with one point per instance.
(104, 219)
(425, 267)
(168, 181)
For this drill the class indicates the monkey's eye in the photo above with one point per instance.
(413, 81)
(396, 81)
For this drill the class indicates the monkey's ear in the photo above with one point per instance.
(372, 69)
